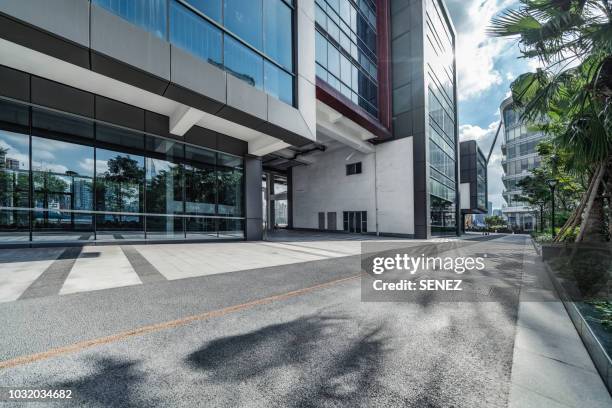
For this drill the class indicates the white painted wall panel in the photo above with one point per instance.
(324, 186)
(395, 184)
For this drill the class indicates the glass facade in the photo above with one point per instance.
(64, 178)
(346, 52)
(439, 51)
(481, 181)
(520, 156)
(253, 40)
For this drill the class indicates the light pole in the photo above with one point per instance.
(552, 183)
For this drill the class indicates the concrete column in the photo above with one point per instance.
(252, 198)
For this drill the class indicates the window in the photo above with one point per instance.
(194, 34)
(164, 188)
(346, 51)
(243, 63)
(355, 221)
(62, 178)
(148, 14)
(14, 184)
(212, 8)
(244, 18)
(354, 168)
(107, 183)
(230, 175)
(278, 83)
(277, 32)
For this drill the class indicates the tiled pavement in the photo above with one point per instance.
(36, 272)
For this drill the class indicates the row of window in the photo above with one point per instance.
(356, 39)
(441, 111)
(441, 55)
(252, 39)
(522, 149)
(520, 132)
(343, 75)
(67, 178)
(522, 165)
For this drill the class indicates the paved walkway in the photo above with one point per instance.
(36, 272)
(550, 366)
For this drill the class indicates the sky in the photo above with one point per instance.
(485, 68)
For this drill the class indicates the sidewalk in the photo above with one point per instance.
(551, 367)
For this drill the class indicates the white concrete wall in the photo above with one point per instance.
(324, 187)
(395, 186)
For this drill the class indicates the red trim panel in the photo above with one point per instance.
(339, 102)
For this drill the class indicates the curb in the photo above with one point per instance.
(600, 358)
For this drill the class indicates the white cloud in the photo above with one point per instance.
(88, 166)
(476, 51)
(510, 76)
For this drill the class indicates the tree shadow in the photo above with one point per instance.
(347, 378)
(112, 383)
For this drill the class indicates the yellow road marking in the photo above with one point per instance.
(162, 326)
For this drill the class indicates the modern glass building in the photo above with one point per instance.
(519, 157)
(440, 68)
(153, 120)
(69, 178)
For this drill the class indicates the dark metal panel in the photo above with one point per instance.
(232, 145)
(108, 110)
(14, 84)
(62, 97)
(241, 117)
(253, 201)
(201, 137)
(157, 124)
(123, 72)
(188, 97)
(42, 41)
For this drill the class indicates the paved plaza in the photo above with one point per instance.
(282, 323)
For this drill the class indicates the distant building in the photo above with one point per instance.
(11, 164)
(489, 208)
(519, 156)
(498, 212)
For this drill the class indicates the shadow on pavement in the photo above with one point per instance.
(111, 384)
(347, 378)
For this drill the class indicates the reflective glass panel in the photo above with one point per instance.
(277, 32)
(243, 63)
(148, 14)
(244, 18)
(230, 179)
(278, 83)
(14, 187)
(212, 8)
(119, 192)
(164, 189)
(194, 34)
(62, 175)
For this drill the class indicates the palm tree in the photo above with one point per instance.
(570, 95)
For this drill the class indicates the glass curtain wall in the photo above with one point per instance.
(442, 134)
(70, 179)
(521, 154)
(346, 52)
(252, 40)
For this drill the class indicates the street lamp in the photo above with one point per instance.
(552, 183)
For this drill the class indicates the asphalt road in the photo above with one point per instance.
(305, 344)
